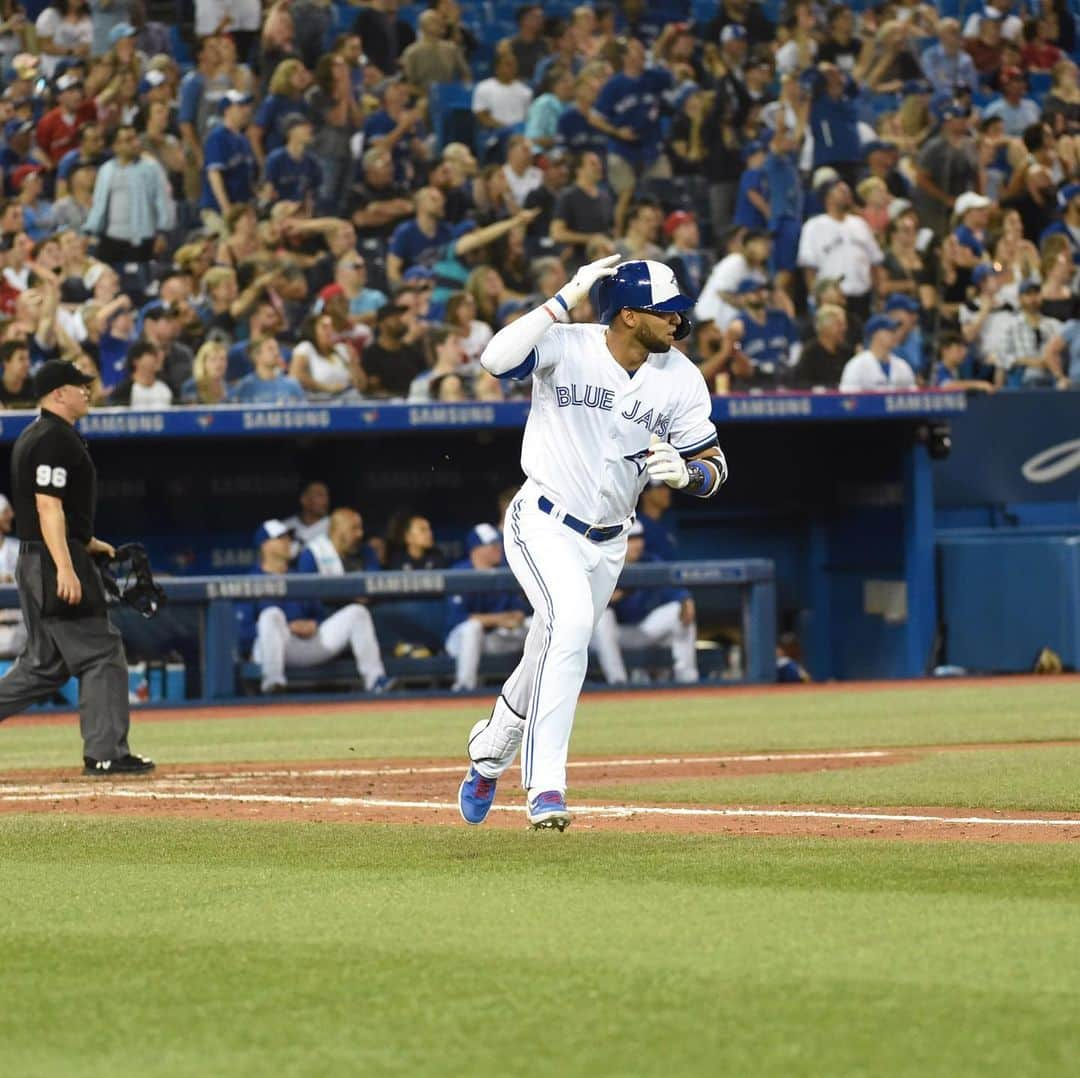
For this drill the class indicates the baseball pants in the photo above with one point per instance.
(568, 581)
(468, 641)
(57, 649)
(351, 627)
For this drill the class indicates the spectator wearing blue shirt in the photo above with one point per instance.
(947, 63)
(1016, 111)
(284, 100)
(786, 200)
(767, 338)
(267, 383)
(542, 123)
(90, 151)
(575, 130)
(398, 129)
(291, 170)
(971, 212)
(905, 311)
(482, 622)
(834, 121)
(752, 199)
(197, 103)
(628, 110)
(229, 166)
(955, 368)
(18, 142)
(351, 273)
(420, 240)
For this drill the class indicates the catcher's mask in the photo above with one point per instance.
(129, 579)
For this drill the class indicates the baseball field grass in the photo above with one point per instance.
(218, 946)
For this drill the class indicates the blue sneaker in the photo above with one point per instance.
(547, 811)
(475, 796)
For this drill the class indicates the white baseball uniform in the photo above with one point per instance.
(584, 455)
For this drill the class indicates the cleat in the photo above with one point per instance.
(476, 795)
(129, 764)
(547, 812)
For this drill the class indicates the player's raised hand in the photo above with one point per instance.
(664, 463)
(572, 293)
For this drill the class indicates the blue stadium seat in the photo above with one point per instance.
(1038, 84)
(450, 105)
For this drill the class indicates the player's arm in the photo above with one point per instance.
(511, 352)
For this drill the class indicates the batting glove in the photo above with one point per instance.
(664, 463)
(577, 289)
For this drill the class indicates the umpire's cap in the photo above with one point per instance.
(56, 373)
(643, 285)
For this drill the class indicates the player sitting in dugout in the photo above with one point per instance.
(646, 617)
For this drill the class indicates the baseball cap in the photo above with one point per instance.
(151, 80)
(823, 284)
(1068, 193)
(17, 127)
(481, 535)
(120, 31)
(824, 175)
(984, 270)
(1030, 284)
(389, 310)
(159, 310)
(955, 111)
(295, 119)
(878, 323)
(18, 177)
(748, 285)
(898, 207)
(970, 200)
(676, 218)
(270, 529)
(54, 373)
(733, 32)
(418, 273)
(68, 82)
(899, 302)
(235, 97)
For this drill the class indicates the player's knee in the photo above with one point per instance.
(571, 631)
(273, 617)
(360, 615)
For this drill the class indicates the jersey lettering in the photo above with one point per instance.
(657, 425)
(51, 477)
(589, 397)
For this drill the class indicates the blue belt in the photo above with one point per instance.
(593, 532)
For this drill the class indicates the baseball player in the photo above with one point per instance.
(613, 406)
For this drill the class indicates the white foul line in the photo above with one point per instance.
(349, 772)
(617, 811)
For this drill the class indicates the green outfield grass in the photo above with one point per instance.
(228, 949)
(169, 947)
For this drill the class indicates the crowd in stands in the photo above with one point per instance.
(278, 634)
(337, 202)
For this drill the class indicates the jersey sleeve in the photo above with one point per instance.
(692, 429)
(53, 465)
(545, 355)
(214, 152)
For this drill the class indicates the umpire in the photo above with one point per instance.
(54, 485)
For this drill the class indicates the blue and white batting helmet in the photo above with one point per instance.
(643, 286)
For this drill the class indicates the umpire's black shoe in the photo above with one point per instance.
(125, 765)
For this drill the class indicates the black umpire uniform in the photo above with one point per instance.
(66, 639)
